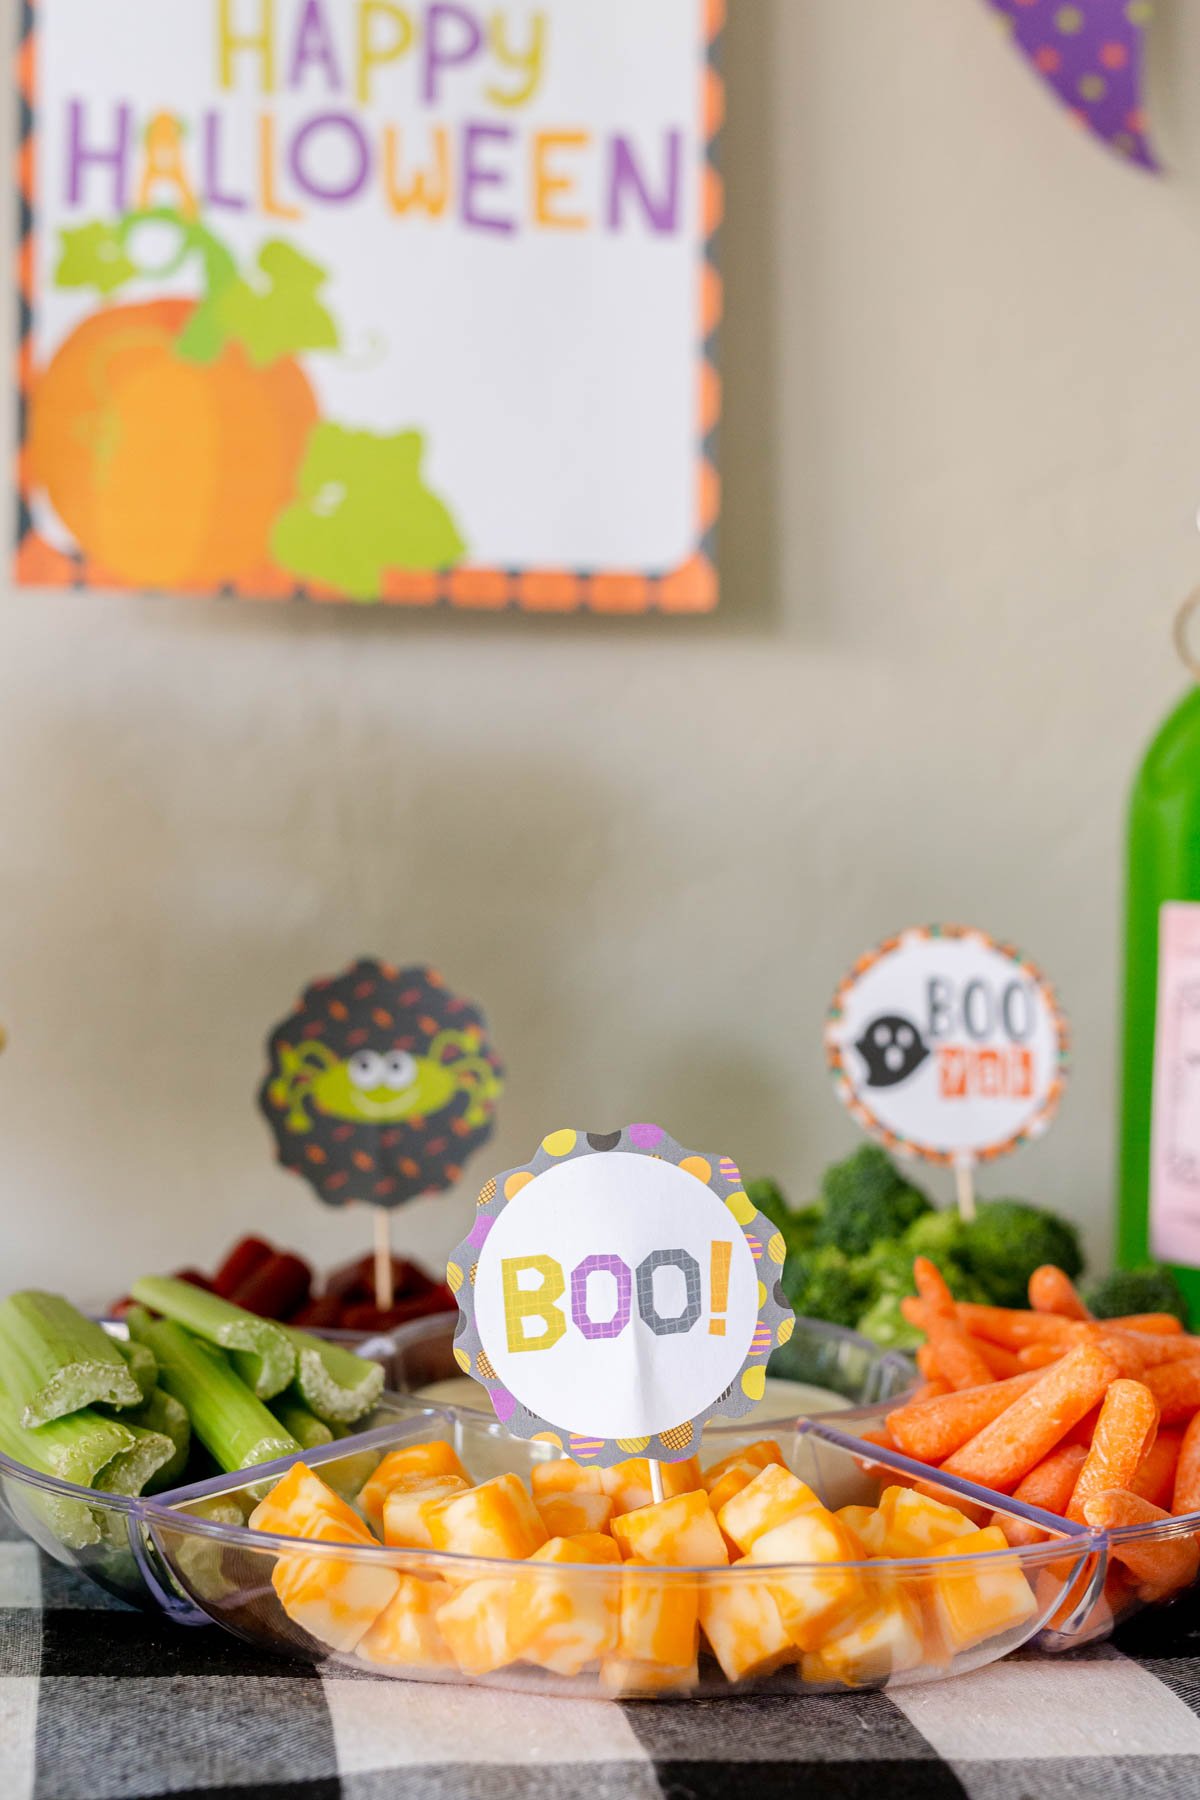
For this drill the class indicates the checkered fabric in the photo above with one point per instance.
(98, 1702)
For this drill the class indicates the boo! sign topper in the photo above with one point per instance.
(617, 1291)
(948, 1045)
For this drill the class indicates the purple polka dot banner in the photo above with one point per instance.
(617, 1291)
(1091, 53)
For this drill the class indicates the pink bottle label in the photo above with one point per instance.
(1175, 1132)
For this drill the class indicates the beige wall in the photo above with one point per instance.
(962, 455)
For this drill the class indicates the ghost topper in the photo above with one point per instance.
(892, 1048)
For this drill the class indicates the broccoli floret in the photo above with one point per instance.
(941, 1236)
(824, 1284)
(886, 1325)
(1009, 1240)
(866, 1200)
(1151, 1288)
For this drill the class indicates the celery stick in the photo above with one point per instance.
(76, 1449)
(260, 1352)
(129, 1472)
(332, 1382)
(229, 1421)
(141, 1365)
(53, 1361)
(163, 1413)
(305, 1427)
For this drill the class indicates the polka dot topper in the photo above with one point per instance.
(381, 1083)
(615, 1292)
(1090, 53)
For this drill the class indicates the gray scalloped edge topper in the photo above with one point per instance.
(774, 1325)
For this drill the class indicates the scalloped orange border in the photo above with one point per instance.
(862, 1113)
(691, 588)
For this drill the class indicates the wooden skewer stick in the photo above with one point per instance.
(656, 1480)
(964, 1186)
(385, 1292)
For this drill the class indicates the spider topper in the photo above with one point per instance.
(381, 1083)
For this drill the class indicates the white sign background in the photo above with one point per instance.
(897, 985)
(554, 372)
(636, 1384)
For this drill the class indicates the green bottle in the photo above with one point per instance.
(1160, 1117)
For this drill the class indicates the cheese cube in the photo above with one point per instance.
(765, 1451)
(335, 1600)
(735, 1478)
(495, 1519)
(567, 1515)
(431, 1460)
(866, 1525)
(659, 1618)
(742, 1624)
(915, 1524)
(981, 1601)
(406, 1634)
(597, 1547)
(563, 1620)
(406, 1508)
(773, 1496)
(627, 1484)
(621, 1678)
(680, 1532)
(301, 1505)
(884, 1638)
(813, 1601)
(474, 1624)
(562, 1476)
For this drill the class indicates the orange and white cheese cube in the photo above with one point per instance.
(866, 1525)
(568, 1515)
(474, 1624)
(563, 1618)
(737, 1476)
(497, 1518)
(979, 1600)
(562, 1476)
(759, 1454)
(915, 1524)
(302, 1505)
(882, 1639)
(742, 1624)
(335, 1600)
(627, 1484)
(773, 1496)
(406, 1508)
(431, 1460)
(814, 1600)
(659, 1619)
(406, 1633)
(680, 1532)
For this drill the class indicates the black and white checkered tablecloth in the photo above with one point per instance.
(98, 1702)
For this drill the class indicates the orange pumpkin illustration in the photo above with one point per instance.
(168, 472)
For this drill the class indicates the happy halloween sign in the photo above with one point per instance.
(361, 299)
(617, 1291)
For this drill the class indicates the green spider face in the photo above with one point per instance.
(377, 1089)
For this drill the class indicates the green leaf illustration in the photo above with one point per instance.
(93, 256)
(363, 508)
(274, 313)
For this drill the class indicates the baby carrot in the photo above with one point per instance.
(931, 1390)
(1012, 1329)
(1142, 1349)
(1168, 1564)
(1002, 1363)
(1051, 1291)
(927, 1362)
(958, 1363)
(1049, 1485)
(1185, 1496)
(1176, 1387)
(1039, 1356)
(930, 1429)
(1124, 1433)
(931, 1286)
(1007, 1449)
(1155, 1480)
(1161, 1324)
